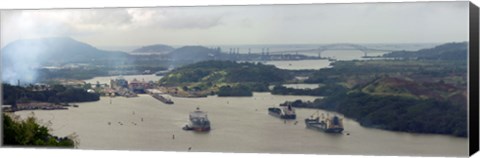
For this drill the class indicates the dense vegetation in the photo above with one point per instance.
(80, 74)
(238, 90)
(29, 133)
(211, 76)
(226, 71)
(424, 92)
(55, 94)
(326, 90)
(449, 51)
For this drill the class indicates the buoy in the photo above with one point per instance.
(189, 148)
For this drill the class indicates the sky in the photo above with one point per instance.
(421, 22)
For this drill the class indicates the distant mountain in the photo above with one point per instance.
(157, 48)
(194, 53)
(58, 49)
(21, 58)
(448, 51)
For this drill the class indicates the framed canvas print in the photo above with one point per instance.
(386, 79)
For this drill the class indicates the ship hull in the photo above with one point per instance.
(196, 129)
(314, 124)
(287, 117)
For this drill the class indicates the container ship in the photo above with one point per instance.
(198, 121)
(326, 124)
(285, 112)
(162, 99)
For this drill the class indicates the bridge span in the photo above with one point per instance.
(336, 46)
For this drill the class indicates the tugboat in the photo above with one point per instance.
(286, 112)
(198, 121)
(162, 99)
(326, 124)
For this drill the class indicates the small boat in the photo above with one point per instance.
(198, 121)
(286, 112)
(326, 124)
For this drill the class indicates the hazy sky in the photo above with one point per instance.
(426, 22)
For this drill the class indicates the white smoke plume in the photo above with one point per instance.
(19, 63)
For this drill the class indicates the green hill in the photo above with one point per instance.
(397, 86)
(157, 48)
(193, 53)
(22, 59)
(448, 51)
(210, 76)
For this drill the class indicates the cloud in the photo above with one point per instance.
(176, 18)
(203, 22)
(104, 16)
(316, 23)
(18, 24)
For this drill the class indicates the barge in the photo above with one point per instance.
(162, 99)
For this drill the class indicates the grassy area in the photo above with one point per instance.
(215, 77)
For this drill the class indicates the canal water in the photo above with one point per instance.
(239, 124)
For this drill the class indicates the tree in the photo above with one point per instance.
(29, 133)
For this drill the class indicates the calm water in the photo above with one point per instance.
(299, 64)
(318, 64)
(298, 86)
(240, 124)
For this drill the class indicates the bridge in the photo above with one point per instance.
(336, 46)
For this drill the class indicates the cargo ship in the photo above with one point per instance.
(326, 124)
(198, 121)
(162, 99)
(285, 112)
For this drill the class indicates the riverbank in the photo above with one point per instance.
(39, 106)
